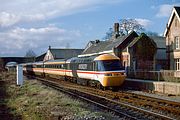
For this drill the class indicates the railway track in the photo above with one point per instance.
(157, 105)
(109, 100)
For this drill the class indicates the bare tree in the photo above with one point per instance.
(67, 45)
(109, 34)
(125, 27)
(128, 25)
(30, 53)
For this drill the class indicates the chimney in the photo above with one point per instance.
(49, 47)
(116, 30)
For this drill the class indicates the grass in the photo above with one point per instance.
(34, 101)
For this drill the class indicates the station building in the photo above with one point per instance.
(137, 52)
(55, 53)
(172, 34)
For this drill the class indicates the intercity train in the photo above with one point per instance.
(101, 71)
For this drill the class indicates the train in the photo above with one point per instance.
(102, 71)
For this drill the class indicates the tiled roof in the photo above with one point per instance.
(155, 41)
(40, 57)
(160, 41)
(102, 46)
(65, 53)
(177, 9)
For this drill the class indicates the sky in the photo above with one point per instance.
(36, 24)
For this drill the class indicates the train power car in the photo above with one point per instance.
(102, 70)
(105, 69)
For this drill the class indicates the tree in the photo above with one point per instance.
(30, 53)
(109, 34)
(150, 33)
(125, 27)
(128, 25)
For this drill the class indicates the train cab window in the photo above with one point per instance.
(109, 65)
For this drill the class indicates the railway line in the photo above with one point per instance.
(121, 103)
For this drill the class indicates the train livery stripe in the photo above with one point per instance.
(78, 71)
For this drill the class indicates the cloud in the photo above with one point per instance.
(14, 41)
(7, 19)
(22, 24)
(18, 11)
(143, 22)
(165, 9)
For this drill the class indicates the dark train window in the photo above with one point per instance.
(108, 65)
(68, 66)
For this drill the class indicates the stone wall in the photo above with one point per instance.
(161, 87)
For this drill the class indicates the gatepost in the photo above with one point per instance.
(19, 75)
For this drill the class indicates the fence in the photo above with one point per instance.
(162, 75)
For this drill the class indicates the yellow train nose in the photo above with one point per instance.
(113, 81)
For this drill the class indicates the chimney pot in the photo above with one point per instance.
(49, 47)
(116, 29)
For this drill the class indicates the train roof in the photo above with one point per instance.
(58, 61)
(86, 59)
(106, 57)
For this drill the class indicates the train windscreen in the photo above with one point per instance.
(109, 65)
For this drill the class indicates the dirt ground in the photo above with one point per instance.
(34, 101)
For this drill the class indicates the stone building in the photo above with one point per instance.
(137, 52)
(172, 34)
(53, 54)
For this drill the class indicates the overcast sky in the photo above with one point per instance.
(36, 24)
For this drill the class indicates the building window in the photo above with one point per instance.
(177, 43)
(177, 64)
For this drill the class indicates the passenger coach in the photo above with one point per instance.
(102, 70)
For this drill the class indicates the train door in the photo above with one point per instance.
(95, 69)
(74, 68)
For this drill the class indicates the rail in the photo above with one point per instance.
(117, 107)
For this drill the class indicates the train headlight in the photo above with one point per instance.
(108, 74)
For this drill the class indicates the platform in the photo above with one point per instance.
(169, 88)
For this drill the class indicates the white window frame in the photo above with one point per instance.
(177, 64)
(177, 42)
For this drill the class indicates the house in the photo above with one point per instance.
(161, 61)
(142, 52)
(53, 54)
(137, 52)
(172, 34)
(115, 46)
(40, 57)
